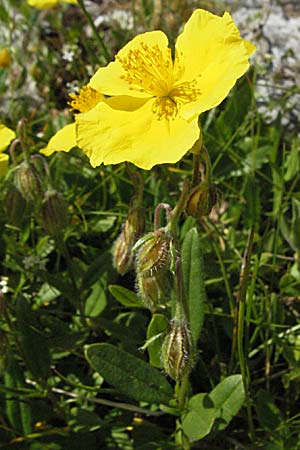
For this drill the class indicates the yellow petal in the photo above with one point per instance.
(3, 164)
(6, 136)
(44, 4)
(211, 51)
(111, 136)
(109, 81)
(63, 140)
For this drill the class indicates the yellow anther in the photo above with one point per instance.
(86, 99)
(151, 70)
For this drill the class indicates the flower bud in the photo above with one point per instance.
(28, 182)
(15, 207)
(54, 212)
(153, 262)
(201, 200)
(176, 350)
(133, 227)
(4, 58)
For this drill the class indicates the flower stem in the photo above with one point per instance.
(241, 303)
(95, 31)
(175, 213)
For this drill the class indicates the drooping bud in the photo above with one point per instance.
(28, 182)
(54, 212)
(153, 261)
(201, 200)
(15, 206)
(133, 228)
(176, 351)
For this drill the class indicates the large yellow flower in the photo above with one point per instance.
(44, 4)
(6, 136)
(151, 115)
(65, 139)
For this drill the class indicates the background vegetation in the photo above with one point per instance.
(60, 294)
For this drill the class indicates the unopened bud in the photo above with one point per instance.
(28, 182)
(133, 228)
(201, 200)
(176, 351)
(54, 212)
(4, 58)
(153, 262)
(15, 206)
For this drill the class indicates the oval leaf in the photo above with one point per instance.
(130, 375)
(228, 397)
(200, 417)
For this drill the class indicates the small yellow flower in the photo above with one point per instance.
(65, 139)
(44, 4)
(6, 136)
(4, 58)
(151, 115)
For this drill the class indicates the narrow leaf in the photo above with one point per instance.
(157, 327)
(130, 375)
(34, 344)
(125, 296)
(193, 276)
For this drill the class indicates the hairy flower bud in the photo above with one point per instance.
(54, 212)
(176, 351)
(153, 262)
(28, 182)
(15, 206)
(201, 200)
(133, 227)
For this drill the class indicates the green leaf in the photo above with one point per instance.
(278, 189)
(157, 327)
(228, 397)
(125, 296)
(295, 228)
(96, 301)
(17, 409)
(200, 417)
(267, 412)
(34, 344)
(216, 408)
(193, 276)
(292, 163)
(130, 375)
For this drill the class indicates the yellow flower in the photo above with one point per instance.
(65, 139)
(44, 4)
(152, 114)
(4, 58)
(6, 136)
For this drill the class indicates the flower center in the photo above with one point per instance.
(151, 70)
(85, 100)
(148, 69)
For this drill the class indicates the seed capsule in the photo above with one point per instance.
(201, 200)
(153, 262)
(54, 212)
(15, 207)
(28, 182)
(133, 227)
(176, 351)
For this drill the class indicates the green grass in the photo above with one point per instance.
(66, 312)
